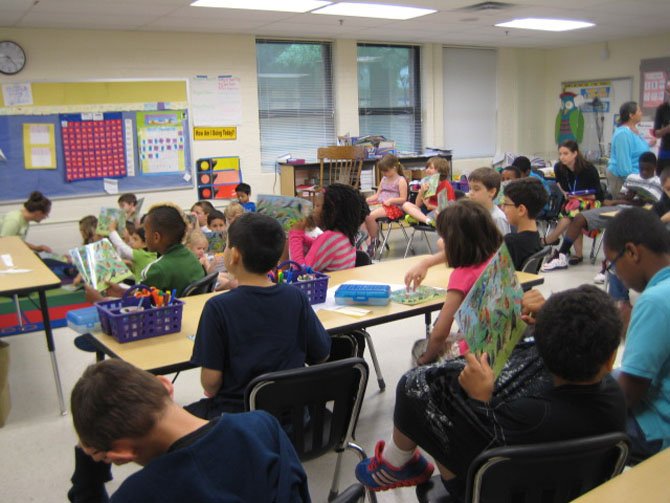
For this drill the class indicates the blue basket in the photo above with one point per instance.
(136, 325)
(316, 289)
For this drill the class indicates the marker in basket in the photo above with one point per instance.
(173, 295)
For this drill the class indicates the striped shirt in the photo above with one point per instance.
(331, 251)
(649, 190)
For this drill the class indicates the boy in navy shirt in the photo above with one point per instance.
(243, 191)
(257, 327)
(123, 414)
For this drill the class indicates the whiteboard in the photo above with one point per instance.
(599, 123)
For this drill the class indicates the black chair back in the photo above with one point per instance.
(556, 200)
(553, 472)
(203, 285)
(362, 259)
(332, 394)
(534, 262)
(343, 346)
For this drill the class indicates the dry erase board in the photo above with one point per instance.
(63, 139)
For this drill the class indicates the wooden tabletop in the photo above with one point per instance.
(164, 352)
(39, 276)
(645, 482)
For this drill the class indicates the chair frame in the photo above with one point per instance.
(260, 383)
(344, 164)
(202, 282)
(385, 235)
(423, 229)
(542, 254)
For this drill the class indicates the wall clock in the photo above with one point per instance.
(12, 57)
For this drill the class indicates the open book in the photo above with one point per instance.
(99, 264)
(433, 181)
(490, 315)
(286, 209)
(107, 215)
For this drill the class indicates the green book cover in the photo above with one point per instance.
(107, 215)
(99, 264)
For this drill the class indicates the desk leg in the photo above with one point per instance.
(52, 350)
(427, 317)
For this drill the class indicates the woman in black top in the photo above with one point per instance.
(573, 173)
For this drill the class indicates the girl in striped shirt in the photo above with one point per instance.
(338, 211)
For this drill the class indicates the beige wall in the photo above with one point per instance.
(527, 87)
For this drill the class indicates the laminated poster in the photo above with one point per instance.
(490, 314)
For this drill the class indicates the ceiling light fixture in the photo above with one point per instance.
(378, 11)
(545, 24)
(267, 5)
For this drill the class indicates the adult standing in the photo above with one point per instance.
(662, 130)
(16, 222)
(627, 147)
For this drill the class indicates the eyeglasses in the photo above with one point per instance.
(611, 268)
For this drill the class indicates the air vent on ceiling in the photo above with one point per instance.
(487, 6)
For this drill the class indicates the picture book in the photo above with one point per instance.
(286, 209)
(421, 294)
(433, 181)
(490, 315)
(99, 264)
(643, 194)
(217, 242)
(107, 215)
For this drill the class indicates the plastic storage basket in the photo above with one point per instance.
(135, 325)
(316, 289)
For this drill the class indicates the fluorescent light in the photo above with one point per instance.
(373, 10)
(270, 5)
(545, 24)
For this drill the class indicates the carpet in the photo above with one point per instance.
(59, 300)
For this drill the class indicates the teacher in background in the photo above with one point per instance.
(627, 146)
(15, 223)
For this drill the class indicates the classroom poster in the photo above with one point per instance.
(93, 145)
(39, 146)
(490, 315)
(160, 138)
(215, 101)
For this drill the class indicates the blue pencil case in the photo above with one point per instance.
(84, 320)
(369, 295)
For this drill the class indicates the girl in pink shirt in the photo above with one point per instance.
(471, 239)
(338, 211)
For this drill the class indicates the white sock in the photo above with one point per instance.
(395, 456)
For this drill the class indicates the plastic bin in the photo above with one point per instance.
(84, 320)
(369, 295)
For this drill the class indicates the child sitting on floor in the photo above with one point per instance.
(128, 203)
(339, 211)
(201, 210)
(424, 210)
(243, 192)
(135, 253)
(454, 412)
(232, 212)
(523, 200)
(255, 328)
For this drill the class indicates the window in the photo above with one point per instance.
(295, 99)
(389, 94)
(470, 101)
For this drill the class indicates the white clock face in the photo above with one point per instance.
(12, 58)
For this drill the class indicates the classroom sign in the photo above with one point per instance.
(215, 133)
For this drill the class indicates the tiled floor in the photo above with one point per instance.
(36, 443)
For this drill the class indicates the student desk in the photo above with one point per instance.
(171, 353)
(644, 482)
(39, 279)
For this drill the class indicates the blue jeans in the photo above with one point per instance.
(616, 288)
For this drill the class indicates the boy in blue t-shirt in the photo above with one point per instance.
(256, 328)
(243, 191)
(638, 245)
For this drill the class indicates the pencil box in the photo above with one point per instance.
(84, 320)
(369, 295)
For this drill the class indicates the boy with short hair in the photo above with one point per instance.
(176, 267)
(123, 414)
(524, 199)
(638, 245)
(216, 221)
(484, 186)
(243, 191)
(257, 327)
(454, 413)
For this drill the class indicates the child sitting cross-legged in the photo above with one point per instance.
(135, 253)
(339, 211)
(523, 200)
(456, 412)
(255, 328)
(123, 414)
(424, 210)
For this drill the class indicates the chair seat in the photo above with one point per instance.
(433, 491)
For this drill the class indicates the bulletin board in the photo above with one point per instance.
(73, 135)
(599, 120)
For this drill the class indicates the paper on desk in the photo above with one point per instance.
(14, 271)
(330, 305)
